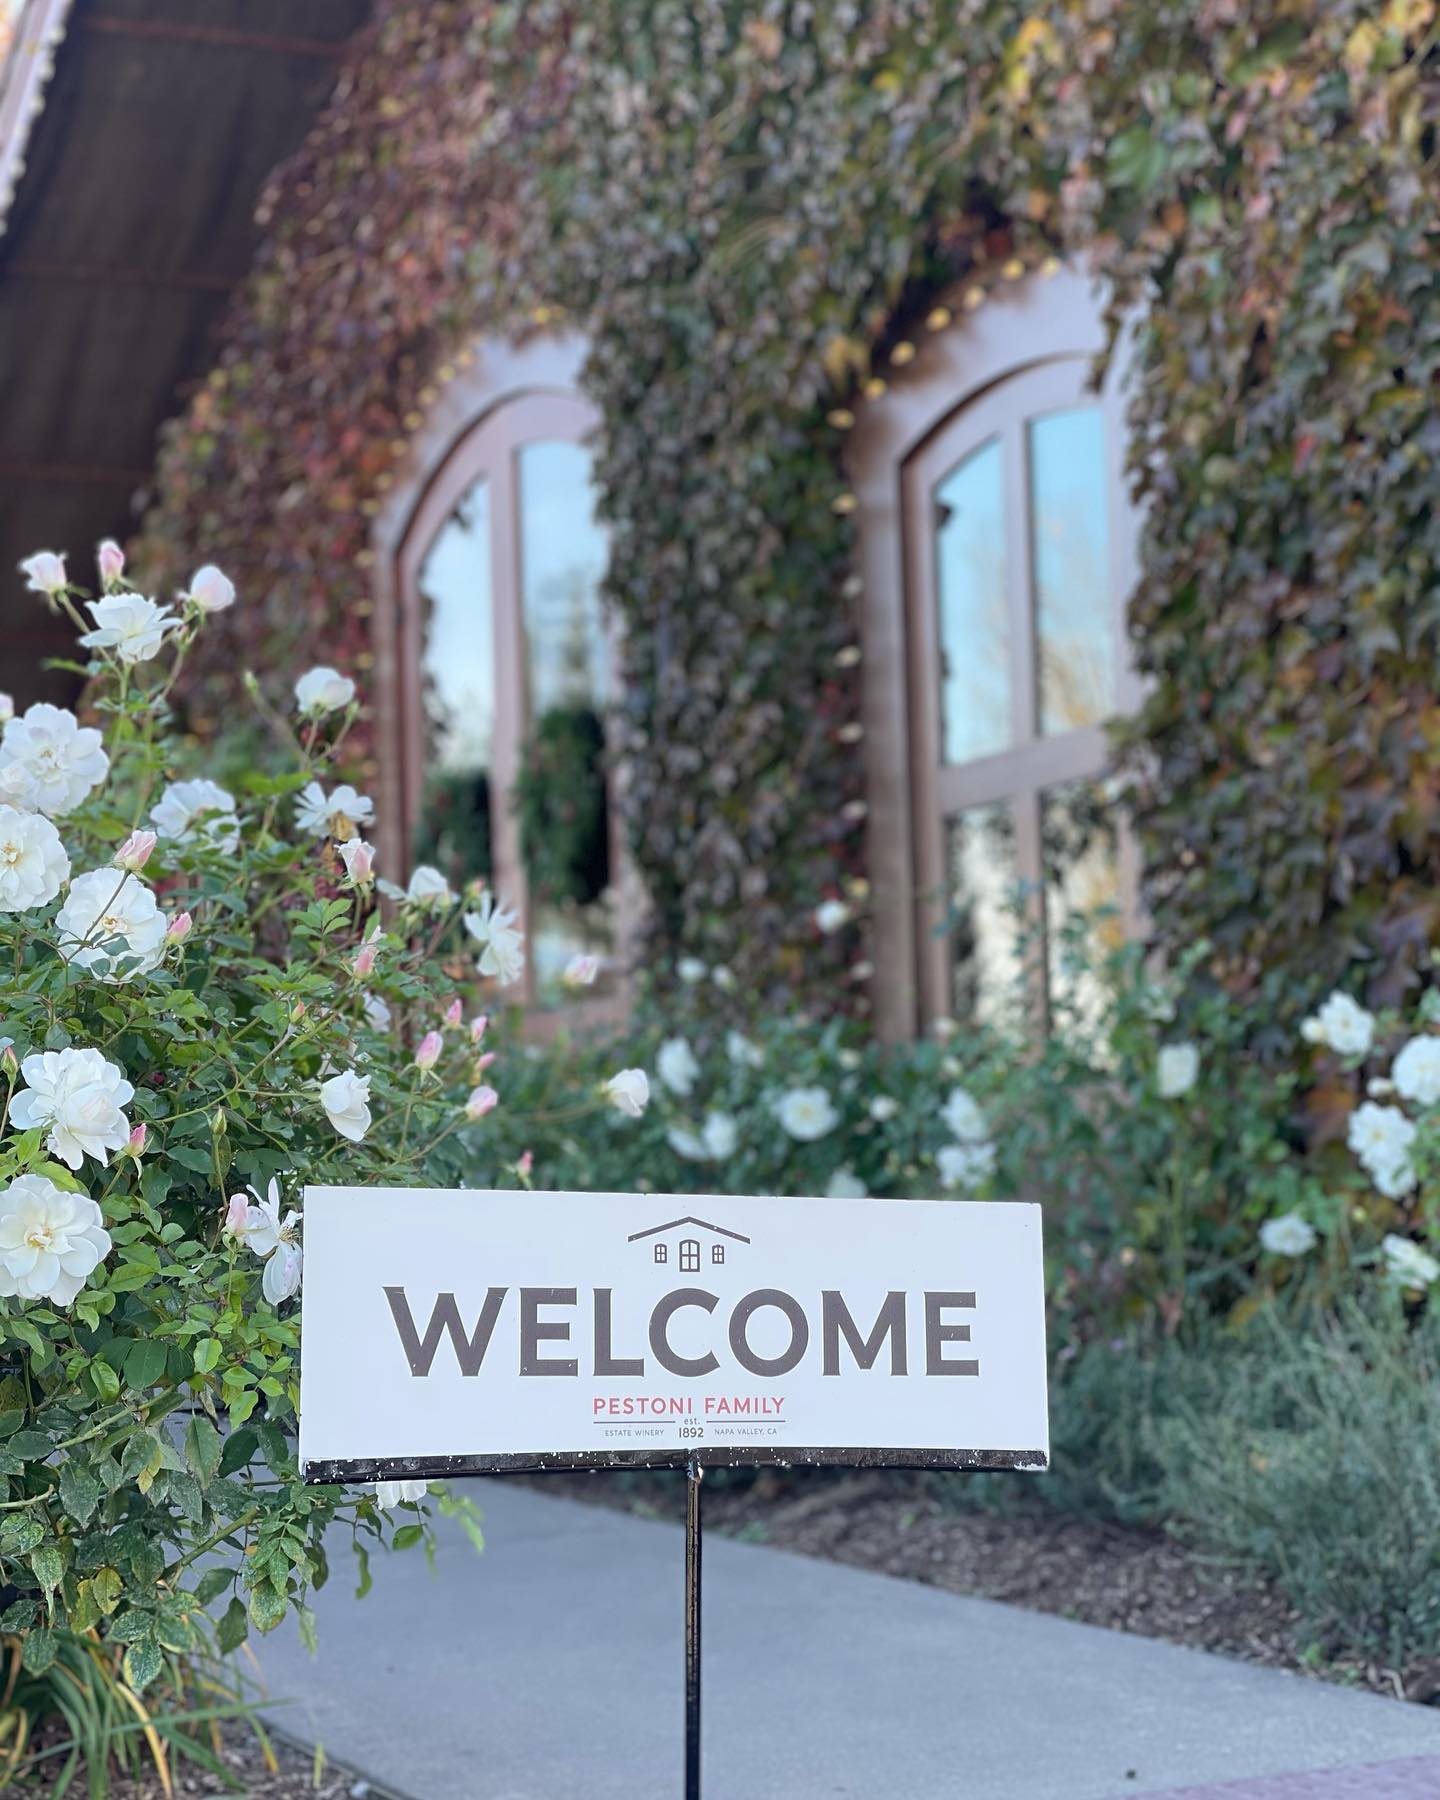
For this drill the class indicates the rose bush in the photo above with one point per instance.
(202, 1008)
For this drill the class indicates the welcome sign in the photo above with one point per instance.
(466, 1332)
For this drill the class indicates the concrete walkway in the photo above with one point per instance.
(551, 1667)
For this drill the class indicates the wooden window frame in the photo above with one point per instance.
(1025, 344)
(503, 398)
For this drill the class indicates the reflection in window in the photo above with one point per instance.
(973, 615)
(1070, 537)
(562, 793)
(458, 676)
(1081, 855)
(982, 922)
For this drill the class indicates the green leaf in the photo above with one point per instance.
(108, 1588)
(20, 1532)
(207, 1355)
(30, 1446)
(48, 1566)
(79, 1491)
(202, 1448)
(239, 1450)
(268, 1605)
(40, 1651)
(143, 1663)
(144, 1363)
(234, 1626)
(133, 1627)
(407, 1537)
(212, 1584)
(104, 1380)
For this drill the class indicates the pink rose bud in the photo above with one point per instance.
(179, 928)
(482, 1100)
(454, 1012)
(8, 1059)
(482, 1063)
(359, 860)
(236, 1214)
(7, 709)
(111, 559)
(428, 1054)
(134, 853)
(297, 1012)
(364, 964)
(135, 1143)
(581, 971)
(525, 1165)
(477, 1027)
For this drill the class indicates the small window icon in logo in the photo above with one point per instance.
(717, 1253)
(689, 1256)
(662, 1253)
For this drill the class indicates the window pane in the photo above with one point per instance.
(981, 917)
(1069, 521)
(1080, 847)
(564, 812)
(974, 623)
(458, 676)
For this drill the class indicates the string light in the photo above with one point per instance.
(938, 318)
(973, 297)
(874, 387)
(844, 503)
(903, 352)
(840, 417)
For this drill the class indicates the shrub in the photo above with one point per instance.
(1317, 1461)
(234, 1021)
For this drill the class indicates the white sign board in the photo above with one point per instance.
(460, 1332)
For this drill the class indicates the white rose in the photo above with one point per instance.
(341, 815)
(1380, 1137)
(691, 970)
(33, 863)
(51, 1240)
(831, 915)
(211, 590)
(963, 1118)
(845, 1184)
(377, 1013)
(1177, 1069)
(390, 1494)
(1416, 1071)
(1341, 1025)
(1406, 1264)
(60, 760)
(629, 1091)
(345, 1098)
(883, 1108)
(687, 1143)
(964, 1165)
(108, 917)
(203, 811)
(44, 573)
(742, 1052)
(275, 1240)
(81, 1097)
(428, 888)
(322, 690)
(502, 952)
(806, 1113)
(720, 1134)
(130, 625)
(676, 1066)
(1289, 1235)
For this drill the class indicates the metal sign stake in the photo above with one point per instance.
(693, 1475)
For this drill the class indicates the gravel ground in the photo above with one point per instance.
(1102, 1574)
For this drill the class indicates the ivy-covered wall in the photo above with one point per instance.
(747, 208)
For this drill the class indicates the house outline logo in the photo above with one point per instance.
(688, 1249)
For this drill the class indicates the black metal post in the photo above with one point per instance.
(693, 1473)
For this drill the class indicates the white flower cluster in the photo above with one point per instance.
(969, 1160)
(1341, 1025)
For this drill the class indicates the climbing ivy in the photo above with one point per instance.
(749, 209)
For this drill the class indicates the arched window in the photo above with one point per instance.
(998, 549)
(498, 665)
